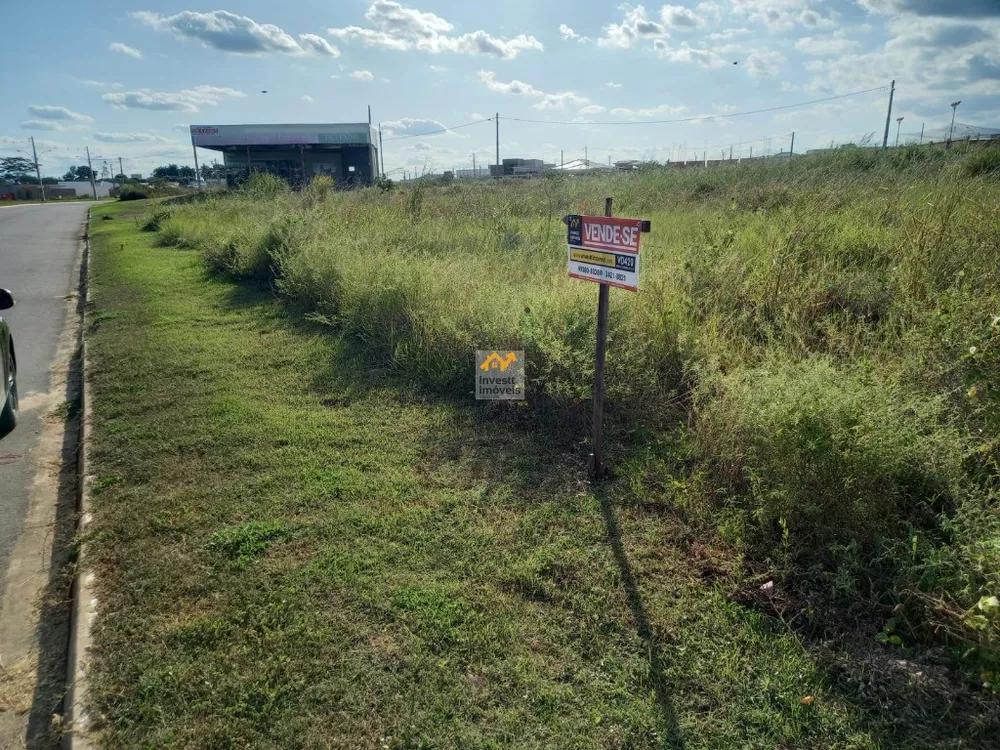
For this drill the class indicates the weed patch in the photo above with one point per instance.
(290, 531)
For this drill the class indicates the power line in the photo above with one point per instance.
(699, 117)
(442, 130)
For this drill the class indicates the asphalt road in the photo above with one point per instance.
(38, 250)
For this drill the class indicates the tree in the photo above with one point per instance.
(170, 172)
(79, 173)
(214, 171)
(17, 169)
(186, 173)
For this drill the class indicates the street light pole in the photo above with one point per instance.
(899, 122)
(951, 131)
(38, 172)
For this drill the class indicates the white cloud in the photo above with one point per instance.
(558, 101)
(397, 27)
(679, 17)
(131, 138)
(728, 34)
(783, 15)
(307, 99)
(943, 8)
(42, 125)
(710, 8)
(124, 49)
(700, 56)
(102, 84)
(939, 60)
(612, 85)
(363, 75)
(663, 110)
(520, 88)
(592, 109)
(826, 46)
(438, 68)
(568, 34)
(186, 100)
(49, 112)
(765, 64)
(416, 126)
(230, 32)
(635, 25)
(319, 45)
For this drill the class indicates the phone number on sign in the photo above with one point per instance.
(601, 273)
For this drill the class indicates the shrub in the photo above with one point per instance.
(155, 220)
(133, 191)
(264, 186)
(982, 162)
(850, 480)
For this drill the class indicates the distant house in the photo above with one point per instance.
(33, 192)
(519, 168)
(576, 166)
(83, 189)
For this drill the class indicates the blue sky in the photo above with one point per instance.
(126, 79)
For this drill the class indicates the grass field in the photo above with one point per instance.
(308, 536)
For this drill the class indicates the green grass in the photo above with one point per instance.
(297, 547)
(819, 337)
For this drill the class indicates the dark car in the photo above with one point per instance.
(8, 369)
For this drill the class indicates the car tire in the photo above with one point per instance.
(8, 417)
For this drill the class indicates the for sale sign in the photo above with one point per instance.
(605, 249)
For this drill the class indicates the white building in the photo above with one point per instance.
(84, 190)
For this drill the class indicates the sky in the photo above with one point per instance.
(567, 77)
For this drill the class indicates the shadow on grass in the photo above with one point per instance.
(670, 729)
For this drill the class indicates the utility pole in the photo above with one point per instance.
(499, 173)
(369, 115)
(951, 132)
(197, 171)
(93, 182)
(751, 151)
(899, 123)
(121, 171)
(730, 152)
(791, 150)
(562, 158)
(888, 116)
(921, 134)
(38, 172)
(381, 153)
(586, 159)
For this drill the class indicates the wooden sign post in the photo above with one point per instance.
(605, 250)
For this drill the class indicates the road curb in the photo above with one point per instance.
(84, 602)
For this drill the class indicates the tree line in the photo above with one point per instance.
(19, 170)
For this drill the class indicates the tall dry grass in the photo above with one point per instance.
(824, 331)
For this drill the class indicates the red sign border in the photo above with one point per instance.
(619, 221)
